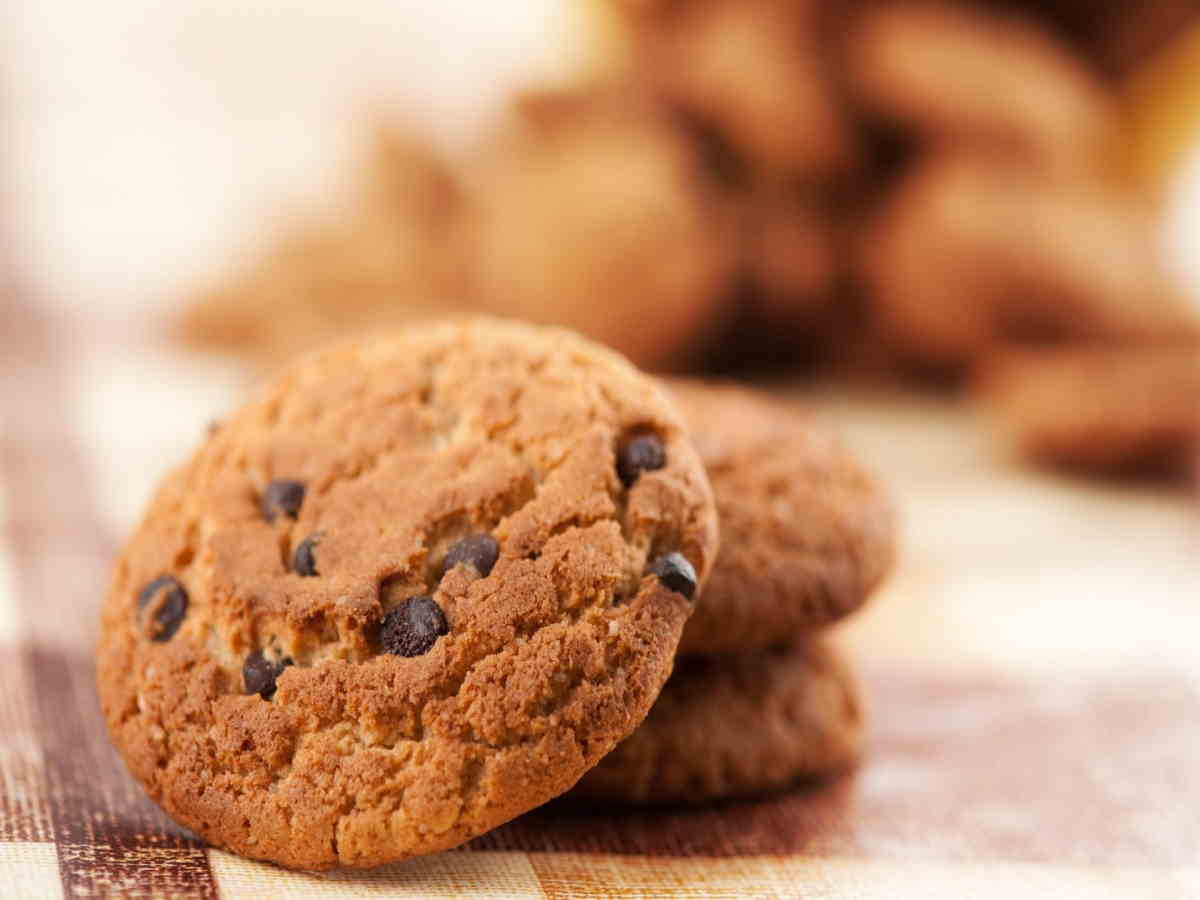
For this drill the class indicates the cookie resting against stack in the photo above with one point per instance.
(425, 582)
(760, 699)
(417, 586)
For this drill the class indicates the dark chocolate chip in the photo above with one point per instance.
(282, 496)
(413, 627)
(259, 674)
(167, 602)
(676, 573)
(641, 453)
(304, 561)
(478, 550)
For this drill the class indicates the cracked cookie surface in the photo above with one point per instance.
(733, 726)
(403, 595)
(807, 532)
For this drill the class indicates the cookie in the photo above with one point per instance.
(807, 533)
(417, 586)
(591, 211)
(963, 74)
(736, 726)
(1131, 410)
(752, 73)
(969, 254)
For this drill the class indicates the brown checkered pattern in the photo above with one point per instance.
(1036, 726)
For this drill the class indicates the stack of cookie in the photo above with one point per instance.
(425, 582)
(760, 698)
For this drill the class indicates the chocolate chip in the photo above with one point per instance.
(676, 573)
(304, 562)
(259, 674)
(413, 627)
(641, 453)
(478, 550)
(168, 602)
(282, 496)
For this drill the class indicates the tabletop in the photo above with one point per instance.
(1031, 673)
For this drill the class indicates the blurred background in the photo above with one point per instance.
(964, 231)
(996, 200)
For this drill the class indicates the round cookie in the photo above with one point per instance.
(735, 726)
(807, 534)
(753, 74)
(592, 211)
(417, 586)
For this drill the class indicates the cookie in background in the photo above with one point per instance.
(589, 209)
(968, 254)
(994, 79)
(869, 190)
(1129, 410)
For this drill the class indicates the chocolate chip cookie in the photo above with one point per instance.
(807, 532)
(418, 585)
(736, 726)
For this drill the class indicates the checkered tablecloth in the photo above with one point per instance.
(1032, 671)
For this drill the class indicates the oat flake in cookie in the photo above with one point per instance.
(446, 616)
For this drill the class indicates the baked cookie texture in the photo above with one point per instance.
(807, 532)
(737, 726)
(749, 83)
(287, 662)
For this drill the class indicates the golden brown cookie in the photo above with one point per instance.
(418, 585)
(751, 72)
(593, 212)
(807, 534)
(736, 726)
(1112, 410)
(747, 82)
(966, 74)
(968, 254)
